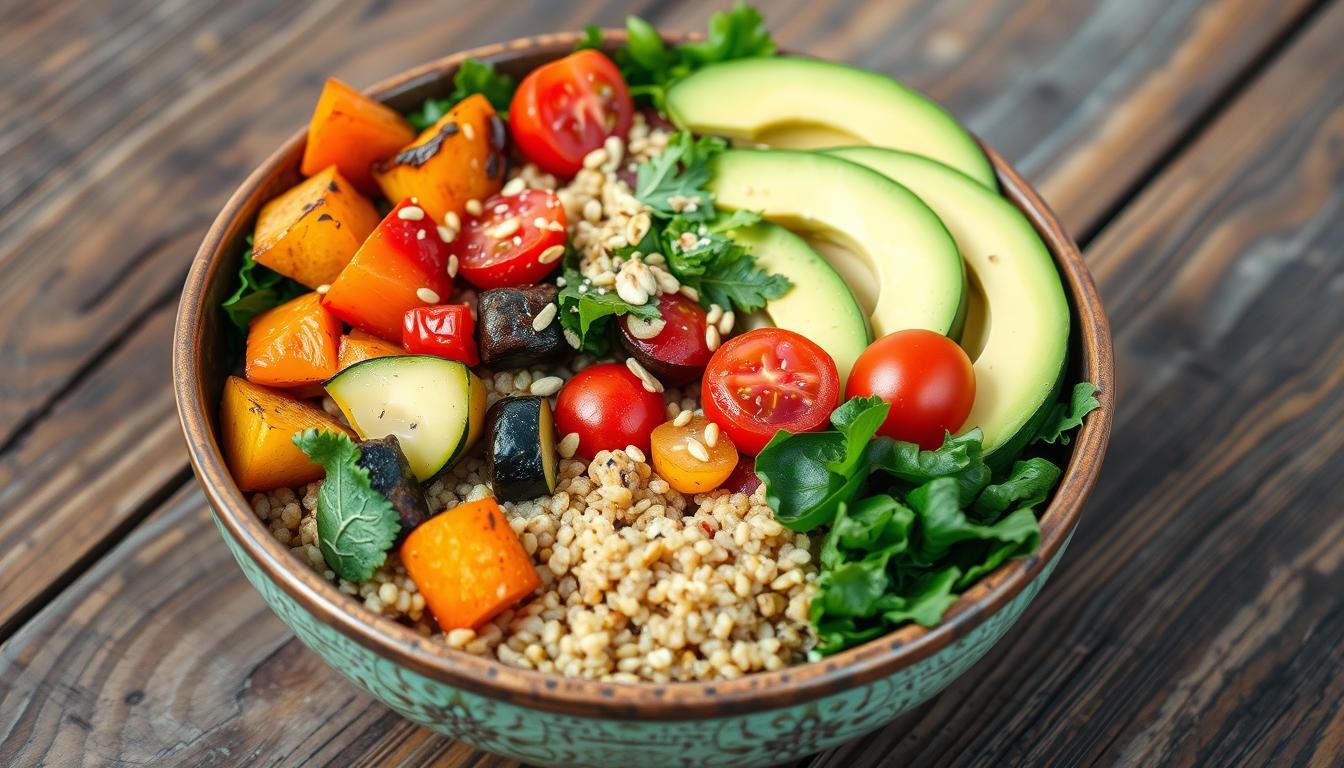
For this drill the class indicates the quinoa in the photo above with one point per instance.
(638, 582)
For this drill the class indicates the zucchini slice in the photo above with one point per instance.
(434, 407)
(520, 448)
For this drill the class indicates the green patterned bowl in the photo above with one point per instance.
(759, 719)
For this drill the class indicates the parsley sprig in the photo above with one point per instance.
(473, 76)
(356, 525)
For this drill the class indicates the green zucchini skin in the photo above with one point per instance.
(519, 445)
(390, 474)
(504, 327)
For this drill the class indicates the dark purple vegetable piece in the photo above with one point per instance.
(520, 448)
(390, 474)
(504, 327)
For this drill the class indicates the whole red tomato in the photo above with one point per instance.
(608, 407)
(926, 378)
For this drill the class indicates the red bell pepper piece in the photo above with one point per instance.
(446, 331)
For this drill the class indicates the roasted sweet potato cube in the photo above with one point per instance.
(358, 346)
(352, 132)
(459, 158)
(293, 345)
(257, 426)
(311, 231)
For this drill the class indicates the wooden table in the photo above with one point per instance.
(1196, 149)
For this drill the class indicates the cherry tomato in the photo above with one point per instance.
(684, 457)
(767, 380)
(446, 331)
(504, 246)
(608, 407)
(678, 353)
(566, 109)
(927, 379)
(744, 479)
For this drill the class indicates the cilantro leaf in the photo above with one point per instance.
(1065, 416)
(356, 525)
(680, 172)
(739, 33)
(259, 289)
(741, 284)
(472, 77)
(584, 309)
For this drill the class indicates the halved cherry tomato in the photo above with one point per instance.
(608, 407)
(767, 380)
(566, 109)
(678, 354)
(445, 331)
(682, 455)
(744, 479)
(503, 247)
(925, 376)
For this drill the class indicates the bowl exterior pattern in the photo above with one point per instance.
(548, 738)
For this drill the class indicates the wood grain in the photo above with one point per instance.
(98, 216)
(1191, 621)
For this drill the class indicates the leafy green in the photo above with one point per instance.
(650, 66)
(1027, 485)
(259, 289)
(741, 284)
(1065, 416)
(680, 171)
(472, 77)
(356, 525)
(584, 309)
(592, 39)
(957, 457)
(943, 523)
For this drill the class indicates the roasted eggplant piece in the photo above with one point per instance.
(505, 329)
(520, 448)
(390, 474)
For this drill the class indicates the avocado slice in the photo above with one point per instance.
(896, 256)
(1017, 334)
(820, 305)
(824, 105)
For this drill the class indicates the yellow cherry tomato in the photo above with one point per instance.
(693, 456)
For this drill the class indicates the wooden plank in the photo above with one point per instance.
(90, 229)
(1197, 616)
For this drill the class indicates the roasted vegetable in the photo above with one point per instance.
(468, 564)
(401, 266)
(296, 344)
(390, 474)
(352, 132)
(459, 158)
(358, 346)
(257, 427)
(507, 327)
(445, 331)
(310, 232)
(520, 448)
(434, 407)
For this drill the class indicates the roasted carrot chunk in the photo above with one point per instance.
(294, 344)
(358, 346)
(402, 265)
(468, 564)
(459, 158)
(352, 132)
(310, 232)
(257, 426)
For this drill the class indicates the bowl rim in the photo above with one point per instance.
(673, 701)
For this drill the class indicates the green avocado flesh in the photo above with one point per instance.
(800, 103)
(819, 305)
(895, 255)
(1017, 331)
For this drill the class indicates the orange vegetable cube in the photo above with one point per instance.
(468, 564)
(358, 346)
(294, 344)
(352, 132)
(310, 232)
(257, 426)
(459, 158)
(403, 265)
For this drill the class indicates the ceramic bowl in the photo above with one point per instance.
(759, 719)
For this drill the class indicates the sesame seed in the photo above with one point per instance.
(560, 281)
(506, 228)
(453, 221)
(452, 265)
(551, 254)
(650, 383)
(711, 434)
(515, 186)
(411, 213)
(697, 450)
(682, 419)
(474, 207)
(633, 452)
(715, 312)
(469, 131)
(540, 223)
(689, 293)
(726, 323)
(572, 339)
(592, 210)
(712, 338)
(546, 385)
(556, 226)
(545, 317)
(596, 158)
(322, 289)
(427, 295)
(420, 234)
(568, 445)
